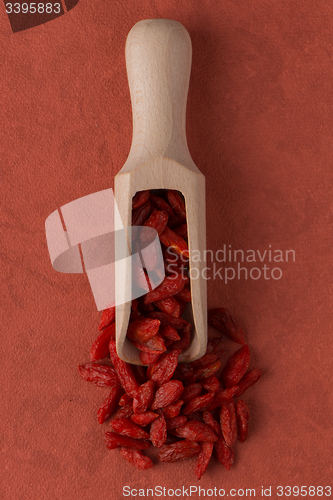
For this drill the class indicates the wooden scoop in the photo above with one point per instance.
(158, 61)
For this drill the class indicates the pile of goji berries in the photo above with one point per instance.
(184, 409)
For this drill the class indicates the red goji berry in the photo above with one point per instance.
(155, 345)
(225, 322)
(207, 371)
(124, 411)
(222, 397)
(203, 458)
(164, 368)
(171, 239)
(100, 348)
(167, 394)
(163, 205)
(115, 440)
(210, 420)
(229, 423)
(199, 403)
(141, 214)
(144, 419)
(140, 374)
(176, 203)
(173, 423)
(190, 392)
(247, 381)
(170, 333)
(108, 317)
(243, 415)
(173, 410)
(136, 458)
(140, 198)
(158, 431)
(169, 287)
(224, 454)
(128, 428)
(157, 220)
(181, 230)
(185, 338)
(211, 384)
(124, 371)
(206, 360)
(109, 404)
(215, 346)
(236, 366)
(125, 399)
(143, 329)
(144, 397)
(101, 375)
(183, 371)
(196, 431)
(170, 306)
(179, 451)
(167, 319)
(147, 358)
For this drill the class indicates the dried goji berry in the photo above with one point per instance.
(136, 458)
(147, 358)
(203, 458)
(211, 384)
(144, 397)
(196, 431)
(108, 317)
(173, 423)
(125, 399)
(170, 333)
(167, 394)
(185, 338)
(171, 239)
(210, 420)
(144, 419)
(173, 410)
(199, 403)
(179, 451)
(140, 374)
(225, 322)
(181, 230)
(158, 431)
(140, 215)
(100, 348)
(215, 346)
(207, 371)
(229, 422)
(222, 397)
(169, 287)
(163, 205)
(167, 319)
(206, 360)
(176, 203)
(247, 381)
(128, 428)
(164, 368)
(157, 220)
(101, 375)
(124, 371)
(140, 198)
(143, 329)
(124, 411)
(115, 440)
(224, 454)
(109, 404)
(243, 415)
(184, 371)
(170, 306)
(236, 366)
(190, 392)
(155, 345)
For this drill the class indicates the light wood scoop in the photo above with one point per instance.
(158, 61)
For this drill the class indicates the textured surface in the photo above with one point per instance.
(259, 127)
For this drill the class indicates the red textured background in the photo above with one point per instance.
(260, 127)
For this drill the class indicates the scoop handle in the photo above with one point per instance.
(158, 62)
